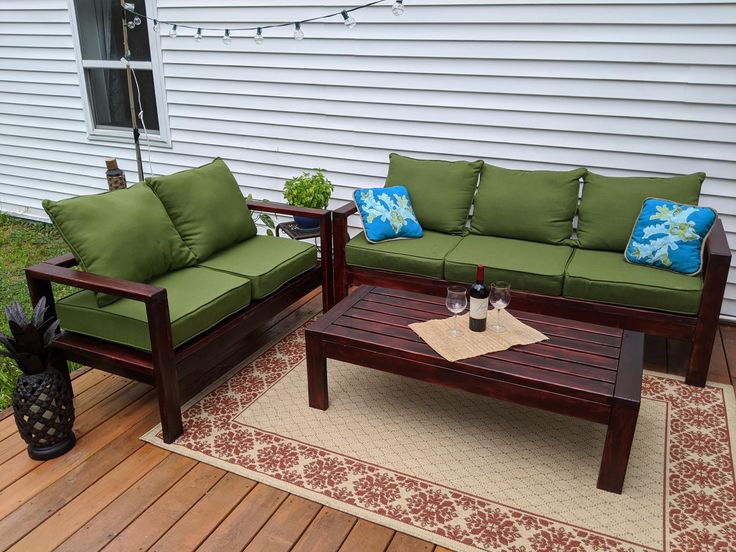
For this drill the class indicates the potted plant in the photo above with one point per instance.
(308, 190)
(43, 402)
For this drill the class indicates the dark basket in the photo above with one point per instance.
(43, 405)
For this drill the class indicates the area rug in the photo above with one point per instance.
(467, 472)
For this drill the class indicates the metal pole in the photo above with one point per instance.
(133, 118)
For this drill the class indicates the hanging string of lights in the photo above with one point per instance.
(137, 18)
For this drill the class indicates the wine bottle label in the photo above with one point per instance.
(478, 308)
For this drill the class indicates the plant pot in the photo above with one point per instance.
(43, 405)
(306, 223)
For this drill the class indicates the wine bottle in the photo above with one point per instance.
(479, 293)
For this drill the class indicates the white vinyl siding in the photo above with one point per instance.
(621, 87)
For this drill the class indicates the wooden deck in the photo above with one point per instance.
(117, 493)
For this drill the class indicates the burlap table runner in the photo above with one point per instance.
(471, 344)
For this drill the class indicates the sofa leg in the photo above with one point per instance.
(172, 426)
(339, 263)
(699, 363)
(164, 368)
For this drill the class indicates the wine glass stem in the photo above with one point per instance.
(454, 322)
(498, 318)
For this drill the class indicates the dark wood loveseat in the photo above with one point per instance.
(179, 372)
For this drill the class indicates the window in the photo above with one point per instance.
(98, 27)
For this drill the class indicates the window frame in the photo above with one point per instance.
(163, 135)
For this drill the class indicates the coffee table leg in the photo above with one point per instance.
(620, 435)
(316, 373)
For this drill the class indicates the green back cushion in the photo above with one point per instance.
(526, 205)
(124, 234)
(440, 191)
(206, 206)
(610, 205)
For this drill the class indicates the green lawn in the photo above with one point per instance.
(22, 243)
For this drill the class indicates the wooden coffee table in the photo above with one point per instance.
(584, 370)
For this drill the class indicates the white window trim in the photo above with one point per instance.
(163, 136)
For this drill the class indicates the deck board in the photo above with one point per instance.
(115, 492)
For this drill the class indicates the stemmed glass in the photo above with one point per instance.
(500, 299)
(456, 301)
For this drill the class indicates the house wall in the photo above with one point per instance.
(621, 87)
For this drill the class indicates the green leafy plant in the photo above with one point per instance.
(309, 190)
(29, 342)
(265, 218)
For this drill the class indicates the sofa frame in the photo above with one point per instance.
(178, 373)
(700, 330)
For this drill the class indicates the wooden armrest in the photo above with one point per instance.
(284, 209)
(346, 210)
(717, 244)
(67, 261)
(95, 282)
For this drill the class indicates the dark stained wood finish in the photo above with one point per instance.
(699, 330)
(179, 373)
(49, 487)
(590, 372)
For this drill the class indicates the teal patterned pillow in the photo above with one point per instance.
(386, 214)
(670, 235)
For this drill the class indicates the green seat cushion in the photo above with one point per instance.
(423, 256)
(606, 277)
(206, 206)
(526, 265)
(199, 298)
(526, 205)
(123, 234)
(440, 191)
(268, 262)
(610, 206)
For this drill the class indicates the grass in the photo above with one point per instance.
(22, 243)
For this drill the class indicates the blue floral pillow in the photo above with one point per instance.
(386, 214)
(670, 235)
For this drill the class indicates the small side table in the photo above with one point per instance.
(296, 233)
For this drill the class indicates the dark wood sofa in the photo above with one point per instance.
(700, 330)
(177, 373)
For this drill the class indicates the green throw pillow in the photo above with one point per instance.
(123, 234)
(610, 205)
(526, 205)
(206, 206)
(440, 191)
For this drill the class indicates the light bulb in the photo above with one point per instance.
(155, 25)
(226, 40)
(198, 35)
(259, 36)
(349, 21)
(398, 8)
(172, 32)
(131, 24)
(136, 20)
(298, 33)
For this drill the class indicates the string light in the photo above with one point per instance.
(397, 8)
(349, 21)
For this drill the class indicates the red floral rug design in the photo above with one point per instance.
(700, 490)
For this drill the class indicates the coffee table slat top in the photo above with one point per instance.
(579, 359)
